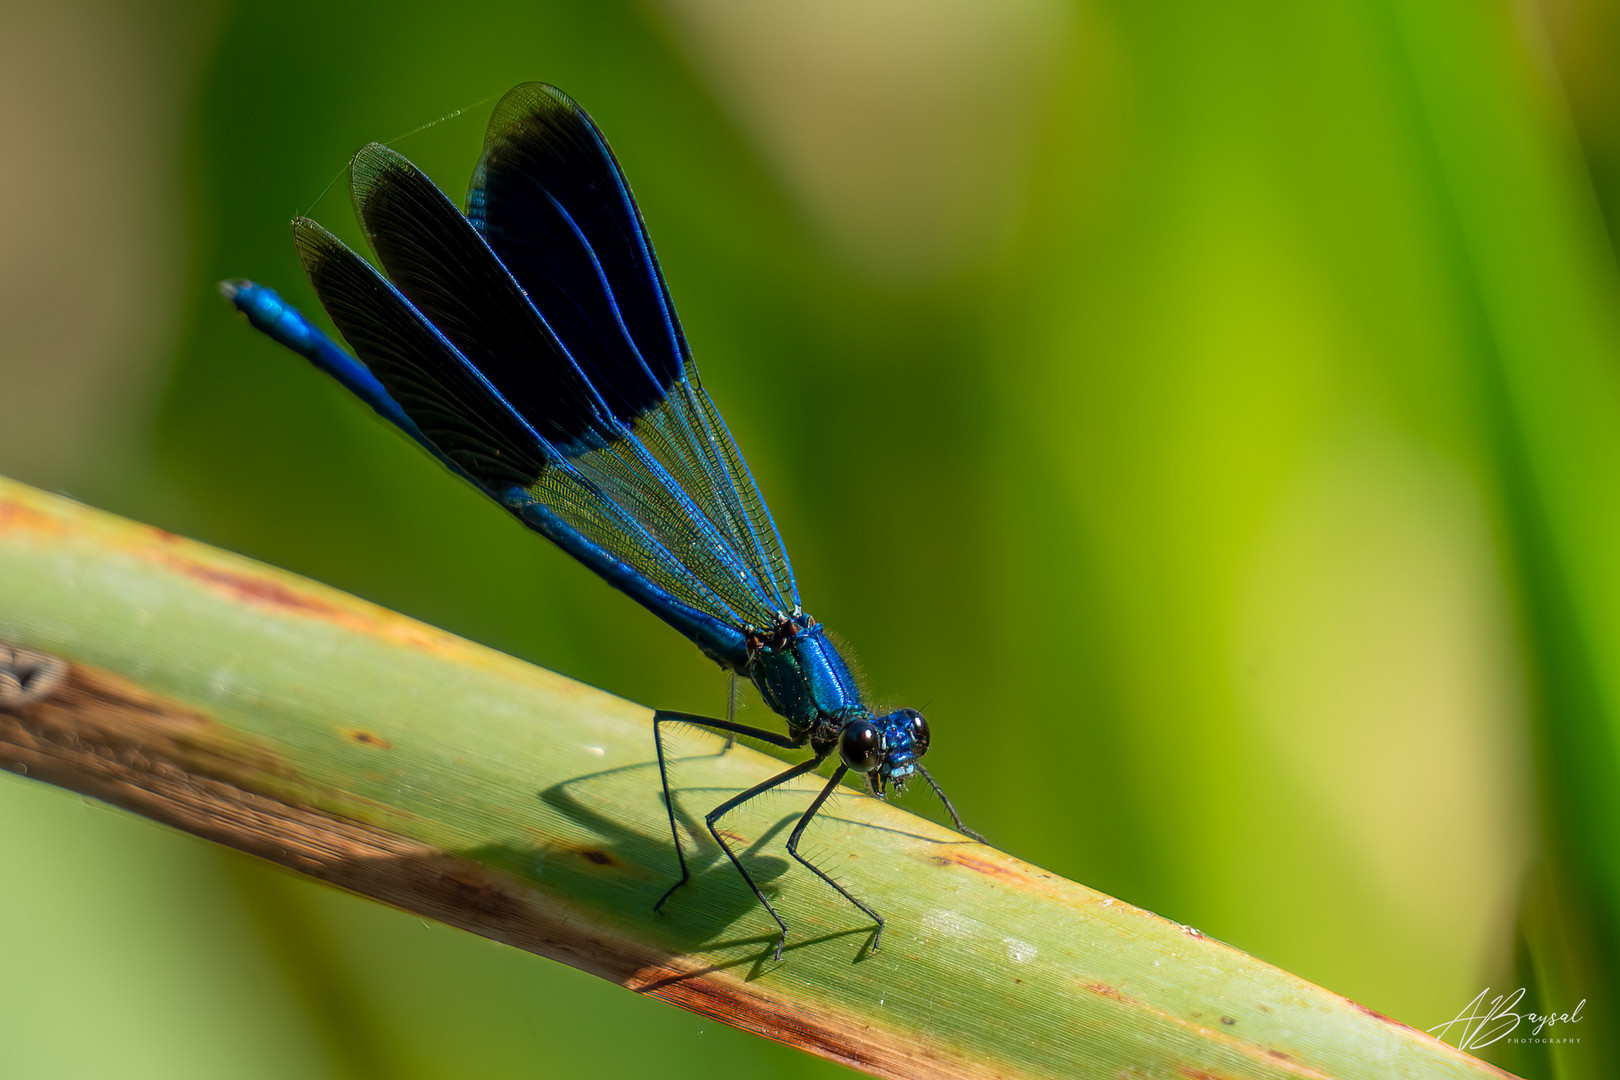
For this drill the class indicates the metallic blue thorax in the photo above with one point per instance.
(801, 675)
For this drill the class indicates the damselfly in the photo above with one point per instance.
(530, 345)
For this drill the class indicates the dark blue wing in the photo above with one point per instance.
(552, 203)
(440, 263)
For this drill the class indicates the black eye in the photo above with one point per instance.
(919, 733)
(860, 745)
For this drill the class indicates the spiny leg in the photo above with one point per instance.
(731, 711)
(793, 850)
(949, 809)
(661, 717)
(731, 804)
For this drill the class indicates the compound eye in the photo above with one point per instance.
(919, 732)
(860, 745)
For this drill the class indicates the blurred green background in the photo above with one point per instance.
(1208, 413)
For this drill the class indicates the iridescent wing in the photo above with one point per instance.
(534, 346)
(551, 201)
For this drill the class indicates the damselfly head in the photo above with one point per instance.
(884, 748)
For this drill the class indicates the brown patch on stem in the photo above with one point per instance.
(255, 589)
(17, 517)
(367, 738)
(1376, 1015)
(27, 676)
(979, 865)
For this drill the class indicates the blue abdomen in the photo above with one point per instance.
(804, 679)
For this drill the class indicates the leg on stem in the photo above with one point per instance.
(793, 849)
(775, 738)
(949, 809)
(714, 816)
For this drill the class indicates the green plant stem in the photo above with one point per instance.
(285, 719)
